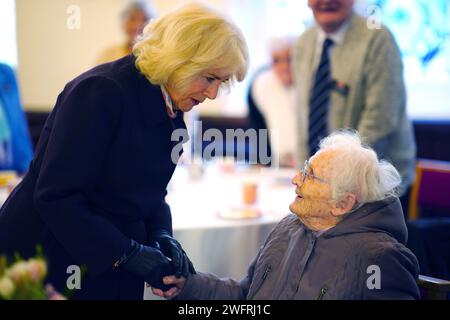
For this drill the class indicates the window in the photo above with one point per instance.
(288, 17)
(422, 30)
(8, 45)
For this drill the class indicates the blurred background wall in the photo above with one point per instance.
(53, 48)
(43, 42)
(49, 53)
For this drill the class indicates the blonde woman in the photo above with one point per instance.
(94, 195)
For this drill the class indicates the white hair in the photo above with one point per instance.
(356, 168)
(277, 44)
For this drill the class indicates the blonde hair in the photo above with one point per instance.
(180, 45)
(357, 169)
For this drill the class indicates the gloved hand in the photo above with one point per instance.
(172, 249)
(149, 264)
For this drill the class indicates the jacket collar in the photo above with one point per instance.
(151, 100)
(384, 216)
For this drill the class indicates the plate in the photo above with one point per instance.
(238, 213)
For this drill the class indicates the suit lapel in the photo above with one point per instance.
(342, 52)
(151, 102)
(153, 106)
(347, 64)
(5, 84)
(309, 64)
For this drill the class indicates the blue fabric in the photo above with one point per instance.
(21, 147)
(6, 156)
(5, 133)
(320, 99)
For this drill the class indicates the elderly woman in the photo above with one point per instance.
(345, 240)
(94, 195)
(271, 103)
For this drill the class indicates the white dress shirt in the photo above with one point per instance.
(337, 37)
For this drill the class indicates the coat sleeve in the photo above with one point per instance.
(164, 218)
(207, 286)
(391, 274)
(385, 94)
(87, 118)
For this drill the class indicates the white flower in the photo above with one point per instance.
(6, 287)
(37, 269)
(19, 272)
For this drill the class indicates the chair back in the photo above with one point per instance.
(433, 288)
(430, 194)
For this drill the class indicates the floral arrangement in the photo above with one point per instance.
(24, 280)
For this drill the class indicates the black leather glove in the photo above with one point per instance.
(149, 264)
(172, 249)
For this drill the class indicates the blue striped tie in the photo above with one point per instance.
(319, 100)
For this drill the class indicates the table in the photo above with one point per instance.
(197, 195)
(221, 246)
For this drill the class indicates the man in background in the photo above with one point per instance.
(351, 76)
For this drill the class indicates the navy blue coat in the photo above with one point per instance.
(98, 179)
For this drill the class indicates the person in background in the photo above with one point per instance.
(349, 75)
(16, 150)
(94, 197)
(133, 18)
(345, 239)
(271, 102)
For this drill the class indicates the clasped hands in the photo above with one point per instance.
(163, 257)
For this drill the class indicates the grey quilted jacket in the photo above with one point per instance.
(363, 257)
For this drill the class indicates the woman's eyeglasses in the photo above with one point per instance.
(306, 172)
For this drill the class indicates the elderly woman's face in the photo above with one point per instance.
(206, 85)
(313, 201)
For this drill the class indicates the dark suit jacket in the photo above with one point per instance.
(255, 118)
(98, 179)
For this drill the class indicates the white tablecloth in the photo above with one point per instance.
(221, 246)
(225, 247)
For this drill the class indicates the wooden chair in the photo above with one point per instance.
(433, 288)
(428, 215)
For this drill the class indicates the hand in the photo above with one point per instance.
(172, 292)
(148, 263)
(172, 249)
